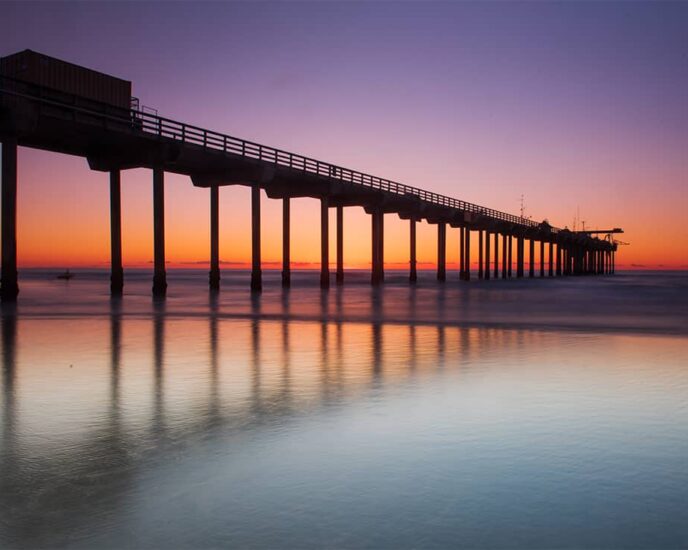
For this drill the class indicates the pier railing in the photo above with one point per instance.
(136, 121)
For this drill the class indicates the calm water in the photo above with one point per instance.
(519, 414)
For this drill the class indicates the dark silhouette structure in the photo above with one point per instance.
(113, 137)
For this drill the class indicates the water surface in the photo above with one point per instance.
(539, 414)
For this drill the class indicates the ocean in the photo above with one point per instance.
(495, 414)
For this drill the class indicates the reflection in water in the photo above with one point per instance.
(115, 365)
(8, 444)
(253, 428)
(255, 354)
(9, 339)
(158, 364)
(214, 398)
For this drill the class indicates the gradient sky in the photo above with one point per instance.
(577, 106)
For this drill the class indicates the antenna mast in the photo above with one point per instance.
(523, 208)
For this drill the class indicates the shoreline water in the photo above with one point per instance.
(636, 302)
(399, 416)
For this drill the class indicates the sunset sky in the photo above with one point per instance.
(579, 107)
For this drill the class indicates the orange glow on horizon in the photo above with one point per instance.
(64, 222)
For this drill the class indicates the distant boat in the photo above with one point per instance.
(66, 275)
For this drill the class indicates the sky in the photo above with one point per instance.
(580, 108)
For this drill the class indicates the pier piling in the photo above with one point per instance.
(441, 252)
(324, 243)
(467, 259)
(286, 242)
(480, 254)
(496, 255)
(487, 255)
(256, 270)
(340, 245)
(10, 286)
(159, 275)
(413, 276)
(116, 270)
(214, 276)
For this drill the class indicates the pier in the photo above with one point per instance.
(113, 137)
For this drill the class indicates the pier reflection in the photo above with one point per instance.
(207, 408)
(336, 359)
(212, 377)
(9, 342)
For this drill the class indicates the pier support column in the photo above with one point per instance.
(159, 275)
(531, 259)
(572, 260)
(116, 271)
(467, 253)
(374, 247)
(487, 255)
(324, 243)
(413, 275)
(286, 242)
(441, 251)
(496, 255)
(340, 245)
(378, 228)
(542, 258)
(214, 277)
(10, 286)
(462, 253)
(613, 262)
(256, 269)
(520, 249)
(506, 256)
(551, 259)
(480, 253)
(558, 259)
(567, 265)
(510, 261)
(563, 261)
(588, 256)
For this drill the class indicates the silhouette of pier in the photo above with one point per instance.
(113, 137)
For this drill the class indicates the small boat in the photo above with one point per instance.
(66, 275)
